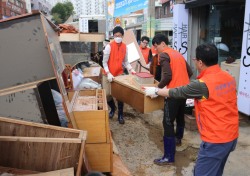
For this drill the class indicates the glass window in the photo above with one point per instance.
(222, 24)
(165, 11)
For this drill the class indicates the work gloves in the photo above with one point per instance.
(151, 91)
(132, 71)
(148, 65)
(110, 77)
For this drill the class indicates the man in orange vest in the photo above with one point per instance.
(114, 61)
(175, 72)
(216, 110)
(146, 51)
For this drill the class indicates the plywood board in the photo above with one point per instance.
(129, 39)
(31, 60)
(100, 156)
(94, 122)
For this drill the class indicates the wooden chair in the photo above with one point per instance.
(67, 76)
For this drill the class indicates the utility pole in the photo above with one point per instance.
(151, 19)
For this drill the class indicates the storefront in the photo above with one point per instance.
(226, 24)
(219, 22)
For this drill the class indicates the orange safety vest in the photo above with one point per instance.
(178, 67)
(217, 117)
(145, 53)
(116, 57)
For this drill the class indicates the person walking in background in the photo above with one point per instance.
(215, 110)
(175, 72)
(146, 51)
(155, 68)
(114, 59)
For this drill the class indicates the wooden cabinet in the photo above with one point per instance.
(90, 111)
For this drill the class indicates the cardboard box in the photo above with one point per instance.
(233, 69)
(190, 122)
(123, 89)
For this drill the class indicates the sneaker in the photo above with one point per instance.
(177, 142)
(162, 161)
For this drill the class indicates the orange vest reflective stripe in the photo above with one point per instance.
(178, 67)
(145, 53)
(116, 57)
(217, 117)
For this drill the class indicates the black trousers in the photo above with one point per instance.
(173, 110)
(158, 73)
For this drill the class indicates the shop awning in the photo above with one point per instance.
(197, 3)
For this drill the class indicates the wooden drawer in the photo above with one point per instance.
(124, 85)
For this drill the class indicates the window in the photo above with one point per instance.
(165, 10)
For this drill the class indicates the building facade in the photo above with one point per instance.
(87, 7)
(9, 8)
(44, 6)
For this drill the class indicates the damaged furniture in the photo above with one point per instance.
(39, 147)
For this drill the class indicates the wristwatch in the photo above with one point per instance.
(156, 91)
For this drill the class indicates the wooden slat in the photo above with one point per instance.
(15, 171)
(39, 147)
(62, 172)
(22, 87)
(39, 139)
(43, 126)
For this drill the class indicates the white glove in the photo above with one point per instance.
(148, 65)
(150, 91)
(132, 71)
(110, 77)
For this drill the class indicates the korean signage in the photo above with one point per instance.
(180, 30)
(117, 22)
(125, 7)
(244, 80)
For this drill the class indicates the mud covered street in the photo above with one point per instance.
(139, 142)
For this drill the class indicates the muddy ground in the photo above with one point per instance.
(139, 142)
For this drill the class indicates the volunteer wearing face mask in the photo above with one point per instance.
(146, 51)
(114, 59)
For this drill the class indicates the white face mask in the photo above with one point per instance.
(118, 39)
